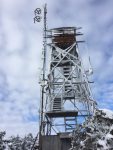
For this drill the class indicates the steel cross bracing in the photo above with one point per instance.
(67, 90)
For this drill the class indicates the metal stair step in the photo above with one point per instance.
(56, 107)
(70, 119)
(57, 104)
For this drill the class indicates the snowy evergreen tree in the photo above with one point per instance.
(16, 143)
(27, 142)
(96, 133)
(2, 143)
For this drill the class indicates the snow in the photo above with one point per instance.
(16, 143)
(107, 113)
(109, 136)
(103, 144)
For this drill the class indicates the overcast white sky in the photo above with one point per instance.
(20, 55)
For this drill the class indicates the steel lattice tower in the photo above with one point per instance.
(68, 94)
(66, 97)
(67, 91)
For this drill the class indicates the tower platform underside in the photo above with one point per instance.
(60, 114)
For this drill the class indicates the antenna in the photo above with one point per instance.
(90, 67)
(44, 40)
(37, 13)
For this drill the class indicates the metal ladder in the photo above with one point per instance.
(57, 104)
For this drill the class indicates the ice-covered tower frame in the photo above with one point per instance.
(68, 96)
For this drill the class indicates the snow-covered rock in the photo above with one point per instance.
(96, 133)
(106, 113)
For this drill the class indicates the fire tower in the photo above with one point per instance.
(66, 97)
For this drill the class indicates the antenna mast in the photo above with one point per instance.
(44, 40)
(43, 77)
